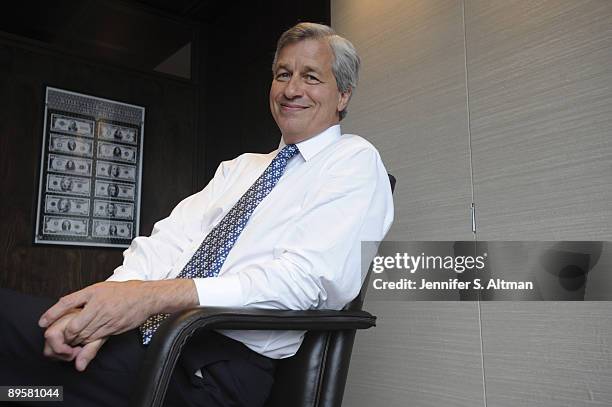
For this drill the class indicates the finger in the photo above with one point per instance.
(66, 355)
(54, 342)
(52, 353)
(54, 339)
(88, 353)
(81, 326)
(56, 348)
(87, 327)
(62, 307)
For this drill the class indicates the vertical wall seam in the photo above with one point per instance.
(484, 383)
(473, 203)
(467, 101)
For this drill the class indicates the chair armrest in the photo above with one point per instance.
(168, 341)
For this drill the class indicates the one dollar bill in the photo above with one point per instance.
(106, 189)
(68, 185)
(109, 151)
(60, 143)
(113, 132)
(105, 169)
(66, 205)
(64, 226)
(112, 230)
(74, 125)
(114, 210)
(69, 165)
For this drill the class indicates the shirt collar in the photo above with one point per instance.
(312, 146)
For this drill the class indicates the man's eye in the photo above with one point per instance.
(283, 76)
(312, 79)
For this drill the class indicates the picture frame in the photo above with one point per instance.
(90, 171)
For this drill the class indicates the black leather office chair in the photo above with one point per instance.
(314, 377)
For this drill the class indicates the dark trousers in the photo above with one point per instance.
(233, 375)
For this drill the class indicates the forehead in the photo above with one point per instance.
(316, 53)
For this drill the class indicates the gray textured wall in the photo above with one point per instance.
(507, 104)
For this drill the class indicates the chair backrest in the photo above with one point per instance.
(316, 375)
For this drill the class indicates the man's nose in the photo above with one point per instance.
(294, 87)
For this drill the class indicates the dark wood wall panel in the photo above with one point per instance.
(190, 127)
(167, 167)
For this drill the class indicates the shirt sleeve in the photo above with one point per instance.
(152, 257)
(317, 261)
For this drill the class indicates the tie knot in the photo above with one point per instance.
(288, 151)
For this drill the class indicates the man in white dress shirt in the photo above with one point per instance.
(299, 250)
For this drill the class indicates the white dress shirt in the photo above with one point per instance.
(301, 248)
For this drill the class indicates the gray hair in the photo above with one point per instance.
(346, 61)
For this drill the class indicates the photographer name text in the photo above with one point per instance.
(452, 284)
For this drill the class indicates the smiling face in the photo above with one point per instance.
(304, 97)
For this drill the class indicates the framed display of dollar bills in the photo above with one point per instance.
(91, 169)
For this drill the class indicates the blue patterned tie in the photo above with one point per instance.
(210, 256)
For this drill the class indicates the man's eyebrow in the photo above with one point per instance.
(281, 66)
(308, 68)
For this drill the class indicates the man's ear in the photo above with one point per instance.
(344, 99)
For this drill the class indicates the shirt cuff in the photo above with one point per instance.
(224, 291)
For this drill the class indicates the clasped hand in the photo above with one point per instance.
(78, 324)
(57, 348)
